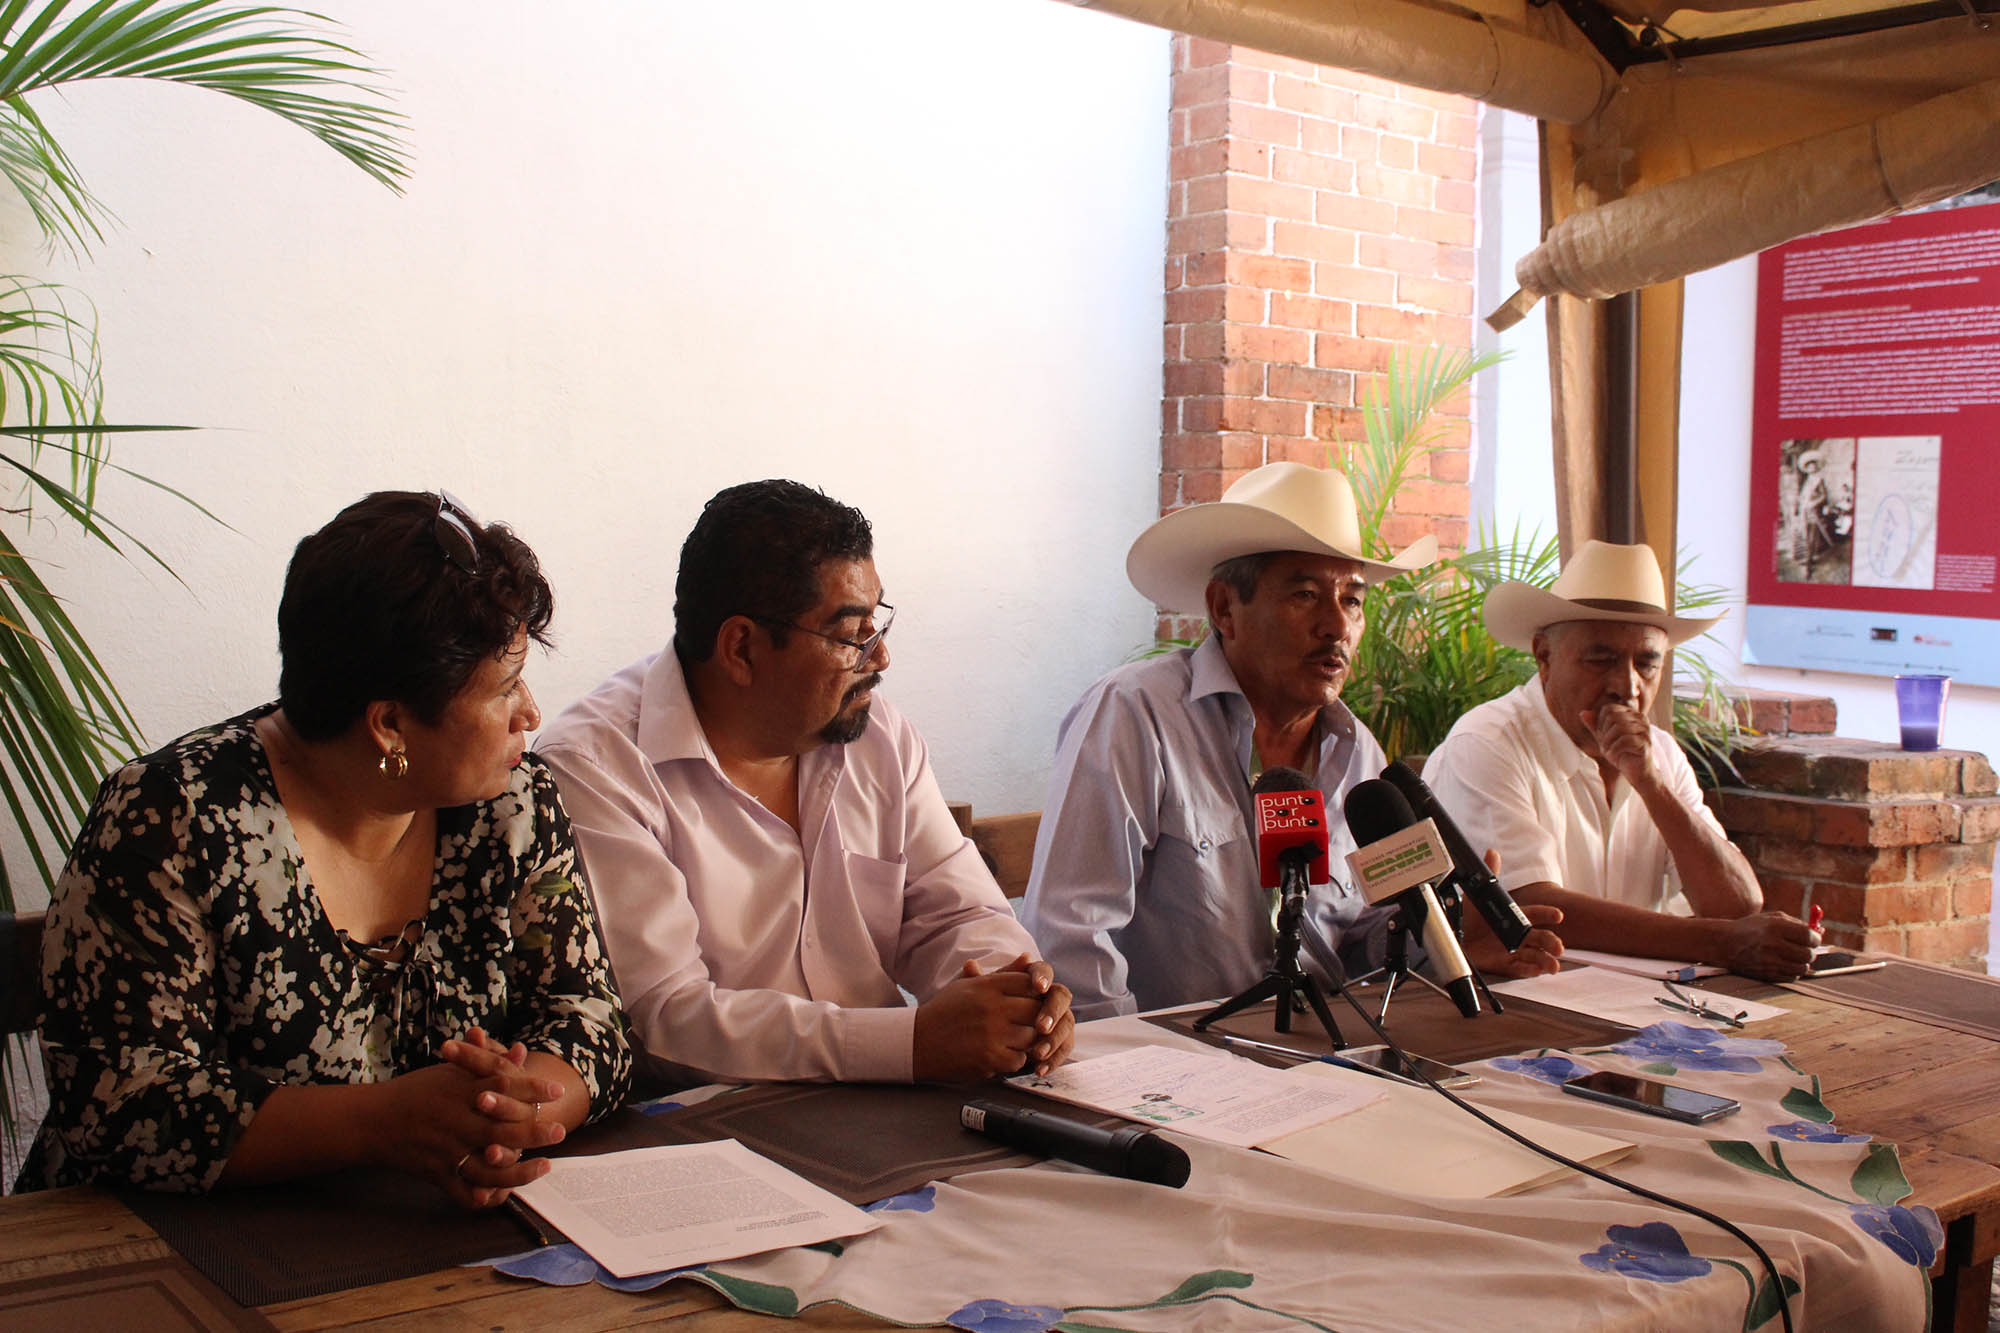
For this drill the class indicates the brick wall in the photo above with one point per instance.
(1318, 220)
(1896, 847)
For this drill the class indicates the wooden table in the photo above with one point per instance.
(1934, 1092)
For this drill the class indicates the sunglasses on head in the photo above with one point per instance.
(453, 529)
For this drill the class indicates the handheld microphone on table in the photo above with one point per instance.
(1291, 831)
(1399, 856)
(1133, 1152)
(1510, 924)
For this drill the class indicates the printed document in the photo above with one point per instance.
(1209, 1096)
(650, 1209)
(1660, 969)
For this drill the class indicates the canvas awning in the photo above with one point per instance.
(1674, 137)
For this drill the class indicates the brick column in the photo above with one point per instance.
(1896, 847)
(1317, 220)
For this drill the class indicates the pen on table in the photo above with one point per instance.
(528, 1218)
(1303, 1056)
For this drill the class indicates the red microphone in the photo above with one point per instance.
(1291, 827)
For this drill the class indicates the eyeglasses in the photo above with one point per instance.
(1700, 1008)
(864, 649)
(453, 529)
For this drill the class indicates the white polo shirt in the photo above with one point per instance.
(1514, 780)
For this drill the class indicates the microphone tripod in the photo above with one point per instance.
(1285, 979)
(1396, 964)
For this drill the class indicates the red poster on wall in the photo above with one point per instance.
(1875, 453)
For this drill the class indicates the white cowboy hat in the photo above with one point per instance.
(1600, 582)
(1278, 507)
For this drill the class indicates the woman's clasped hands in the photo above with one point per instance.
(466, 1122)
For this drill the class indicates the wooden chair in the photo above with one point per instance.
(1007, 843)
(20, 971)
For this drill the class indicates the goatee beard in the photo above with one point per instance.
(846, 728)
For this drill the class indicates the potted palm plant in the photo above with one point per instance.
(62, 722)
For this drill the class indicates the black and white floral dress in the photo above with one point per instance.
(188, 968)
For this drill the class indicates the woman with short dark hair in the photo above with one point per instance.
(347, 928)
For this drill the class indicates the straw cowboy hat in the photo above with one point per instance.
(1278, 507)
(1600, 582)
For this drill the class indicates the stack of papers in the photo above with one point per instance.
(1412, 1141)
(1632, 1000)
(1206, 1096)
(650, 1209)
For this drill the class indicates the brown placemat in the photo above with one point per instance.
(330, 1233)
(1940, 996)
(157, 1295)
(1422, 1022)
(861, 1141)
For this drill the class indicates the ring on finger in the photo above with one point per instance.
(537, 1117)
(459, 1170)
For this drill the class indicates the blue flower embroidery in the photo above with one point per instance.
(1805, 1131)
(1654, 1252)
(557, 1265)
(991, 1316)
(1912, 1234)
(1698, 1048)
(916, 1201)
(565, 1265)
(1551, 1069)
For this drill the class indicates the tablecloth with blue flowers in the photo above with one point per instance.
(1257, 1242)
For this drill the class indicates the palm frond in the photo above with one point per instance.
(264, 55)
(42, 174)
(51, 377)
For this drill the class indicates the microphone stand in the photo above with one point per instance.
(1396, 963)
(1285, 979)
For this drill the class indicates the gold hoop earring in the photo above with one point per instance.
(394, 764)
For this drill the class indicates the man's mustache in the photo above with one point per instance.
(861, 687)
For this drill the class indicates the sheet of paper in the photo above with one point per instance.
(1209, 1096)
(651, 1209)
(1656, 968)
(1415, 1142)
(1623, 998)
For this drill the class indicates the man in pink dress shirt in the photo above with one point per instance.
(770, 854)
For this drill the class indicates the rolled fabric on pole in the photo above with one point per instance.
(1911, 157)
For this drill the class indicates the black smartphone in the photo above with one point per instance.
(1388, 1062)
(1654, 1098)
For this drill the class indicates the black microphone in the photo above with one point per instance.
(1510, 924)
(1132, 1152)
(1375, 811)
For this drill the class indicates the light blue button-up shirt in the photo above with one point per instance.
(1145, 890)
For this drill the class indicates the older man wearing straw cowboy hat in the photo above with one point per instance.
(1145, 889)
(1591, 807)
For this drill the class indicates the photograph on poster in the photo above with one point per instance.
(1816, 508)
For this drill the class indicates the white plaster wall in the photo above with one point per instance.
(1513, 478)
(909, 252)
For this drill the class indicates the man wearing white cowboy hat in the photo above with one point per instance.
(1145, 888)
(1591, 807)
